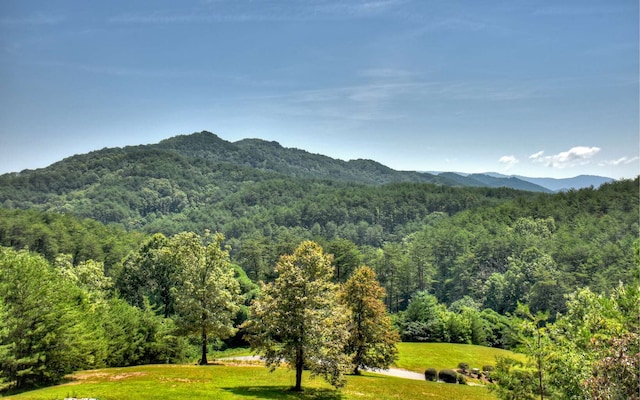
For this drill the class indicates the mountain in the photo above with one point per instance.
(198, 182)
(257, 155)
(271, 156)
(491, 179)
(484, 180)
(564, 184)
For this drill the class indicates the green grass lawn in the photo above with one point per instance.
(189, 382)
(250, 381)
(420, 356)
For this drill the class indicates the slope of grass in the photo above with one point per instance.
(188, 382)
(419, 356)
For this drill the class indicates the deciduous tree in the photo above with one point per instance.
(207, 296)
(298, 320)
(372, 338)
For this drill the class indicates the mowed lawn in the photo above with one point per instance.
(420, 356)
(190, 382)
(251, 381)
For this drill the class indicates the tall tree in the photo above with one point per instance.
(298, 320)
(346, 258)
(44, 331)
(207, 296)
(149, 273)
(372, 338)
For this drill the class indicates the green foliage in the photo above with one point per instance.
(346, 258)
(56, 320)
(150, 273)
(298, 320)
(45, 331)
(431, 374)
(617, 374)
(448, 376)
(514, 380)
(372, 338)
(464, 367)
(207, 296)
(52, 234)
(590, 352)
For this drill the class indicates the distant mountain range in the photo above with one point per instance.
(492, 179)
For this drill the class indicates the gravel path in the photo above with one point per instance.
(399, 373)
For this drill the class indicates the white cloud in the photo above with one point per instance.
(536, 155)
(579, 155)
(509, 161)
(620, 161)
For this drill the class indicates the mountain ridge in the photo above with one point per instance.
(551, 184)
(271, 156)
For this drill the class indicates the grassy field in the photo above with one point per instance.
(186, 382)
(233, 381)
(419, 356)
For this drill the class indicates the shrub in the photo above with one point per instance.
(448, 376)
(431, 374)
(464, 367)
(461, 379)
(488, 368)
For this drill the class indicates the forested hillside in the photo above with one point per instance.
(201, 182)
(117, 229)
(498, 246)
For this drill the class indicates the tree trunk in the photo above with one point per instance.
(299, 367)
(540, 365)
(203, 360)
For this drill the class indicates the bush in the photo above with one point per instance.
(448, 376)
(462, 379)
(488, 368)
(431, 374)
(464, 367)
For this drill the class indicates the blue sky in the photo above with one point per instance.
(537, 88)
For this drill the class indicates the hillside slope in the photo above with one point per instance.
(271, 156)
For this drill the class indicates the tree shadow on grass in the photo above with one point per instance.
(8, 389)
(284, 392)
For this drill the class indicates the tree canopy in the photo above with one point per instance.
(298, 319)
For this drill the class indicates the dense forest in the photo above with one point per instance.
(457, 264)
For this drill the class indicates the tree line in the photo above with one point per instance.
(59, 317)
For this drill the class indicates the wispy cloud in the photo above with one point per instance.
(620, 161)
(580, 9)
(38, 19)
(229, 11)
(508, 161)
(579, 155)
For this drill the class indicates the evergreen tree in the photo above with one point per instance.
(298, 320)
(44, 332)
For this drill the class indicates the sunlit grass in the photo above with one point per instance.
(188, 382)
(251, 381)
(420, 356)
